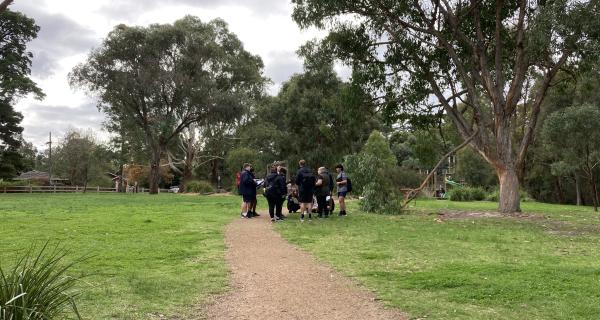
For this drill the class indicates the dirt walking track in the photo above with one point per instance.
(272, 279)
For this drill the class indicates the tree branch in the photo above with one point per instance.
(4, 4)
(415, 192)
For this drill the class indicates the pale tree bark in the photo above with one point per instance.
(578, 189)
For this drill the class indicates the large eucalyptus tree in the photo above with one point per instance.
(163, 78)
(472, 60)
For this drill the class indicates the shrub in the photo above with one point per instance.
(467, 194)
(199, 187)
(5, 183)
(372, 176)
(37, 287)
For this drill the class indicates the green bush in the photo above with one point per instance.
(373, 178)
(199, 187)
(467, 194)
(6, 183)
(37, 287)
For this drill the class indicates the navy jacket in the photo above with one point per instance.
(247, 184)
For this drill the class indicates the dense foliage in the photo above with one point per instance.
(16, 30)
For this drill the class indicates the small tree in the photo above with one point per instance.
(372, 175)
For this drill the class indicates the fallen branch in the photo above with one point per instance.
(413, 193)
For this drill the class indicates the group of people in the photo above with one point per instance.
(300, 192)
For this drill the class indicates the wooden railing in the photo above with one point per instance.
(66, 189)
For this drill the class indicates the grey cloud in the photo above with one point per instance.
(282, 65)
(59, 119)
(129, 8)
(58, 38)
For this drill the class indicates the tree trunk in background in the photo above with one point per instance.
(578, 189)
(155, 169)
(509, 201)
(559, 189)
(594, 189)
(214, 171)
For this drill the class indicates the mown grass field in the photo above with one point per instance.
(545, 266)
(151, 255)
(163, 254)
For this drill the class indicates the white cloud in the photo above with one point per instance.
(70, 28)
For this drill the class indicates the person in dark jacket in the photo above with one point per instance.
(252, 208)
(275, 190)
(322, 192)
(247, 190)
(282, 191)
(305, 179)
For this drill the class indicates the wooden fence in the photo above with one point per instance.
(67, 189)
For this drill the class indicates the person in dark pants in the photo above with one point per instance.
(247, 190)
(321, 192)
(305, 179)
(275, 190)
(282, 191)
(252, 208)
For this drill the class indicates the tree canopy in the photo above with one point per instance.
(16, 30)
(162, 78)
(472, 60)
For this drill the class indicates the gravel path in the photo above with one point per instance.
(272, 279)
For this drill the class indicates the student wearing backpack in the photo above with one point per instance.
(275, 190)
(305, 179)
(343, 187)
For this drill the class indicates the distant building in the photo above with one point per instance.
(42, 178)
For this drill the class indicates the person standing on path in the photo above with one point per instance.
(275, 190)
(282, 171)
(247, 190)
(322, 192)
(342, 188)
(305, 179)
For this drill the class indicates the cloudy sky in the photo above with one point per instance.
(70, 28)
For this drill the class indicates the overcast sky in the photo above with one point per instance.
(71, 28)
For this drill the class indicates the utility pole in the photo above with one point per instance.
(49, 143)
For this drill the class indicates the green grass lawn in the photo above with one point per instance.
(478, 268)
(151, 254)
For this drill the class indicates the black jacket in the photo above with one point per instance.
(305, 179)
(275, 186)
(247, 184)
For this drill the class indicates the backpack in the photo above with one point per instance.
(270, 185)
(238, 178)
(348, 184)
(308, 180)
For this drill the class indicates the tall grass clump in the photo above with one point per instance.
(38, 287)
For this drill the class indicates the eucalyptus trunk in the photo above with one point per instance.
(155, 168)
(509, 200)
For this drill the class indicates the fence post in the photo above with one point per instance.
(98, 189)
(54, 188)
(5, 189)
(30, 189)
